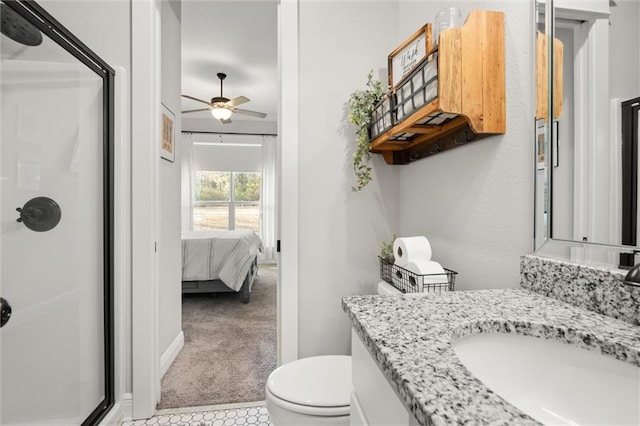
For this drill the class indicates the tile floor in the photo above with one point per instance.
(246, 415)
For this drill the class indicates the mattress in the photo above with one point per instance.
(219, 255)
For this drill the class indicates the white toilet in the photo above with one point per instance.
(313, 391)
(310, 391)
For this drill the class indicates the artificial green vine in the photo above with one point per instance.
(361, 106)
(386, 249)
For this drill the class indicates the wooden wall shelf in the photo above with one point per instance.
(471, 91)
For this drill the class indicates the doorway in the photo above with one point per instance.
(230, 337)
(228, 163)
(145, 362)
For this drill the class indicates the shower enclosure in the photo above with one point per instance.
(56, 120)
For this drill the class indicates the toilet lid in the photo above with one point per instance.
(321, 381)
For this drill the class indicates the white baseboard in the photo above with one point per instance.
(113, 417)
(127, 406)
(171, 353)
(121, 412)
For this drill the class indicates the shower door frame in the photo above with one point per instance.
(40, 18)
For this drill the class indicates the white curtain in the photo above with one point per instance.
(187, 182)
(268, 197)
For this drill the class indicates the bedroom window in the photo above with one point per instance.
(227, 200)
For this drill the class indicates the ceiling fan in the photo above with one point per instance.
(221, 107)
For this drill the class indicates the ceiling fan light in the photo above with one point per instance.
(221, 113)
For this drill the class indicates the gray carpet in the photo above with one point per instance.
(229, 349)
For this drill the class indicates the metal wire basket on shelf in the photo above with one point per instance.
(410, 282)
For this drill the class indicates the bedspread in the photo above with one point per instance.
(223, 255)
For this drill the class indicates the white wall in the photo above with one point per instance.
(93, 22)
(624, 57)
(339, 230)
(475, 203)
(169, 244)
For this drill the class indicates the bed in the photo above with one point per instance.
(220, 261)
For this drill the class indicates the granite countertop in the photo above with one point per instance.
(410, 339)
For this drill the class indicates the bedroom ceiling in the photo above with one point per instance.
(238, 38)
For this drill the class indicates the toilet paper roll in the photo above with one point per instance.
(429, 272)
(424, 267)
(433, 272)
(410, 249)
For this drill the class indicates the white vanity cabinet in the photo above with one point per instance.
(373, 400)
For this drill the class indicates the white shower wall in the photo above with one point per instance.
(52, 348)
(105, 26)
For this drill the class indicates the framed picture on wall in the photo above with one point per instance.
(167, 149)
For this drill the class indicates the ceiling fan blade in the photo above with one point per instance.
(197, 100)
(251, 113)
(196, 110)
(237, 101)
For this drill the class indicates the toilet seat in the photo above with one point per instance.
(308, 409)
(317, 386)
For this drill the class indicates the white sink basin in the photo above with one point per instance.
(553, 382)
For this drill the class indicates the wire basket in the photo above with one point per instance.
(417, 89)
(410, 282)
(382, 117)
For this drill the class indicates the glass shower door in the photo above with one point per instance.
(55, 350)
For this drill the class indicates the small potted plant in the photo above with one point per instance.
(386, 258)
(386, 249)
(361, 106)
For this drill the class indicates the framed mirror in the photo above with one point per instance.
(586, 131)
